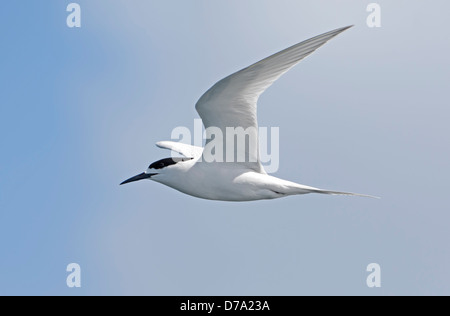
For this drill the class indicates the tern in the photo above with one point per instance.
(232, 102)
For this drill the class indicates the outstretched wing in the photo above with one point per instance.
(183, 149)
(232, 102)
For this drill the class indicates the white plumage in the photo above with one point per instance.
(232, 102)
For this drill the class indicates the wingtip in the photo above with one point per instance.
(161, 144)
(338, 31)
(345, 28)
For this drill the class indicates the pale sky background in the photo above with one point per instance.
(81, 110)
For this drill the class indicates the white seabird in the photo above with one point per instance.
(232, 102)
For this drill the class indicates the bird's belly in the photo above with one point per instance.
(226, 193)
(220, 185)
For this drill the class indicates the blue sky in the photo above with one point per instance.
(82, 108)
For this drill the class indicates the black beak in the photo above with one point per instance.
(141, 176)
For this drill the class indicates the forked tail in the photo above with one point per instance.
(342, 193)
(283, 187)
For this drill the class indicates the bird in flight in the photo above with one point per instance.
(232, 102)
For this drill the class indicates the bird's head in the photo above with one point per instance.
(157, 168)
